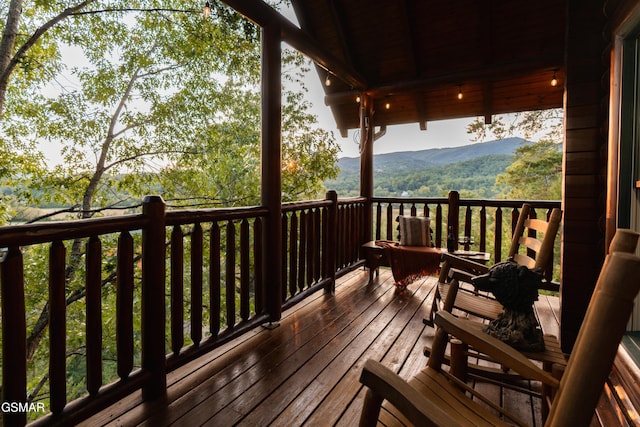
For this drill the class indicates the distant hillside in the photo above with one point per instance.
(470, 169)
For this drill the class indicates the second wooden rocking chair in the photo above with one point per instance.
(435, 398)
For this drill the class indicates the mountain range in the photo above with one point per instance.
(435, 156)
(428, 173)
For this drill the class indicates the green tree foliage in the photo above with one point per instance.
(536, 173)
(532, 125)
(158, 99)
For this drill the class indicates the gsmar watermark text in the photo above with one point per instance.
(19, 407)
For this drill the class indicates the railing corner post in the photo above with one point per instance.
(153, 300)
(332, 241)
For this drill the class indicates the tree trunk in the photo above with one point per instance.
(9, 60)
(6, 46)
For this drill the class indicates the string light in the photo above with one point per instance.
(327, 81)
(206, 10)
(358, 99)
(554, 80)
(460, 96)
(387, 104)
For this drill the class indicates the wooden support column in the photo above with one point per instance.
(271, 161)
(366, 161)
(585, 151)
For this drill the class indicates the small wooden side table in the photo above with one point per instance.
(374, 257)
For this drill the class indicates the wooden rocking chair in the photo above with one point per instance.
(435, 398)
(552, 358)
(538, 254)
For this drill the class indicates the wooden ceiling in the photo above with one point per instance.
(417, 55)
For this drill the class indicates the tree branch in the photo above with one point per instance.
(150, 153)
(21, 52)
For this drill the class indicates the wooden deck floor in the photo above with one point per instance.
(305, 372)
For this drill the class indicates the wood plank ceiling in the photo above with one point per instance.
(418, 55)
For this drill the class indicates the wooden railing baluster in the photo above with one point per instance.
(287, 252)
(293, 256)
(467, 226)
(324, 237)
(302, 250)
(390, 222)
(124, 305)
(497, 246)
(215, 279)
(310, 245)
(483, 229)
(230, 274)
(94, 314)
(257, 260)
(177, 289)
(196, 283)
(378, 219)
(439, 225)
(332, 240)
(57, 328)
(14, 335)
(244, 270)
(317, 243)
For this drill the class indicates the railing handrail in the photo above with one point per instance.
(495, 203)
(31, 234)
(183, 216)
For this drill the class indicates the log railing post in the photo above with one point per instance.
(332, 241)
(453, 218)
(271, 174)
(153, 303)
(366, 162)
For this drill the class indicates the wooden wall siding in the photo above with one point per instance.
(584, 197)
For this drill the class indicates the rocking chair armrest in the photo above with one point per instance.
(386, 384)
(461, 275)
(471, 333)
(464, 264)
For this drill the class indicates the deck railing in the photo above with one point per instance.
(183, 282)
(490, 223)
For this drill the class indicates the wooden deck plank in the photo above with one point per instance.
(274, 366)
(277, 359)
(306, 371)
(307, 365)
(391, 346)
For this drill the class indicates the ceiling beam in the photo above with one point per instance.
(494, 72)
(264, 15)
